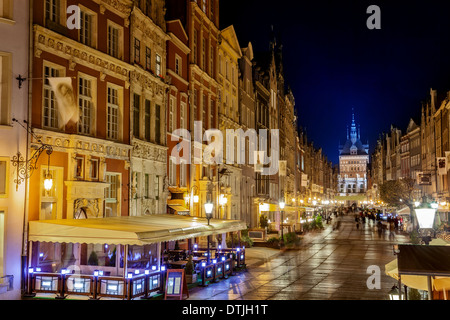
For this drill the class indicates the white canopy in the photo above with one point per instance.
(404, 211)
(136, 230)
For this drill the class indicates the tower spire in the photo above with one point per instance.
(353, 133)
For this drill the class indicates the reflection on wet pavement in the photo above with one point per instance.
(329, 265)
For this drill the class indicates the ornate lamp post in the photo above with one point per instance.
(281, 205)
(426, 213)
(208, 211)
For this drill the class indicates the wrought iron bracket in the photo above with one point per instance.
(25, 168)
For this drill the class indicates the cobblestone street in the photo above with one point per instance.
(331, 264)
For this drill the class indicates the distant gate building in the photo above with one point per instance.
(353, 161)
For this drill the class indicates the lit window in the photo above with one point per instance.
(86, 104)
(50, 106)
(112, 121)
(112, 194)
(6, 9)
(158, 66)
(182, 173)
(156, 187)
(137, 51)
(172, 171)
(52, 10)
(87, 24)
(178, 65)
(114, 38)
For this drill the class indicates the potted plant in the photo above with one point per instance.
(191, 275)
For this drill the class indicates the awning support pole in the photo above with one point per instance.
(125, 261)
(430, 289)
(400, 287)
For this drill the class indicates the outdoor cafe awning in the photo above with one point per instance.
(412, 276)
(132, 230)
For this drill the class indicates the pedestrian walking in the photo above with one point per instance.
(392, 230)
(379, 229)
(357, 222)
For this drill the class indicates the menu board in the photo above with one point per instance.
(176, 284)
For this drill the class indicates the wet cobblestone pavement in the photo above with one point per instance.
(329, 265)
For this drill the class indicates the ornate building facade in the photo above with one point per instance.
(148, 98)
(353, 161)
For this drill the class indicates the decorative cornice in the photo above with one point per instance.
(147, 81)
(120, 7)
(75, 52)
(64, 142)
(149, 151)
(148, 28)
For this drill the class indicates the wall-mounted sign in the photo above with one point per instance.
(424, 179)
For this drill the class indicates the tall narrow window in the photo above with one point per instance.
(113, 41)
(183, 115)
(50, 108)
(158, 66)
(156, 187)
(137, 51)
(211, 114)
(136, 115)
(112, 194)
(178, 65)
(158, 124)
(211, 62)
(182, 173)
(195, 46)
(148, 8)
(87, 28)
(147, 120)
(204, 54)
(94, 169)
(52, 10)
(112, 121)
(147, 186)
(172, 114)
(195, 105)
(205, 111)
(148, 59)
(172, 172)
(85, 103)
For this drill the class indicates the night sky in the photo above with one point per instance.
(334, 63)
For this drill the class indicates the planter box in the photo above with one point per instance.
(191, 278)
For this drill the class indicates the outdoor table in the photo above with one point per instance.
(198, 259)
(180, 263)
(176, 251)
(199, 253)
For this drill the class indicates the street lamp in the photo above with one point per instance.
(394, 294)
(208, 211)
(425, 213)
(282, 204)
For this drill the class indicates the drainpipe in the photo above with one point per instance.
(24, 263)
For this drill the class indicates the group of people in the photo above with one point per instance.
(391, 224)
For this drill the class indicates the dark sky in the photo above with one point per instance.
(334, 63)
